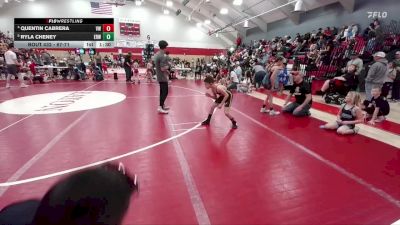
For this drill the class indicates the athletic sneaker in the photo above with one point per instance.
(264, 110)
(274, 113)
(234, 126)
(8, 86)
(23, 86)
(166, 107)
(162, 111)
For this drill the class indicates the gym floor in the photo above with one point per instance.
(272, 170)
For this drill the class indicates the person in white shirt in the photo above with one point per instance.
(354, 30)
(347, 33)
(11, 64)
(234, 81)
(238, 71)
(149, 72)
(135, 68)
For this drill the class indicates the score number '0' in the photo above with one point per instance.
(108, 32)
(108, 28)
(108, 36)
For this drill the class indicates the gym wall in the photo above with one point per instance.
(175, 29)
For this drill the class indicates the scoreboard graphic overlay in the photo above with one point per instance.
(64, 33)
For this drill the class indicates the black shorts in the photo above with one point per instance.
(351, 126)
(259, 76)
(12, 69)
(228, 102)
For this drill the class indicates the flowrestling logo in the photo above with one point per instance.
(60, 102)
(380, 15)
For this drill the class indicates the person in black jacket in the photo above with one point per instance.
(128, 67)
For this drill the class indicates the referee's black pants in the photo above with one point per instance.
(128, 73)
(163, 93)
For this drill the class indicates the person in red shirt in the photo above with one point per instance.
(328, 32)
(225, 72)
(238, 41)
(104, 67)
(36, 77)
(32, 68)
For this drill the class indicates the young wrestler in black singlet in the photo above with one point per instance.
(222, 97)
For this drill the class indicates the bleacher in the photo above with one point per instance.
(362, 45)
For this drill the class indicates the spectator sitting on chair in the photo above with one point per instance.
(376, 74)
(377, 108)
(328, 32)
(354, 30)
(313, 52)
(302, 92)
(347, 81)
(355, 60)
(326, 52)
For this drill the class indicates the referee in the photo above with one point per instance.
(12, 62)
(162, 66)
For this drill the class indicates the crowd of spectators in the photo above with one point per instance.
(346, 58)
